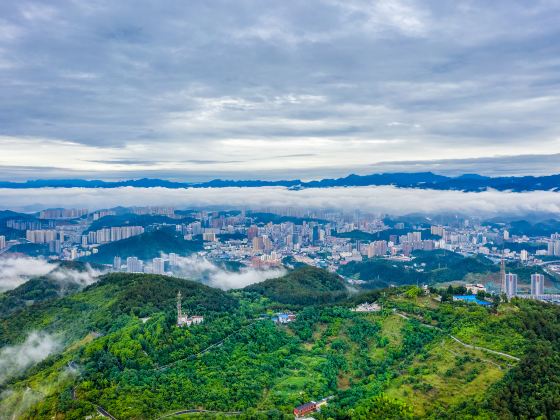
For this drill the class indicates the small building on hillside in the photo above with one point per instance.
(310, 407)
(304, 409)
(183, 320)
(475, 288)
(367, 307)
(284, 317)
(470, 299)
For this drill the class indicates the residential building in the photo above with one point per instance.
(158, 266)
(511, 284)
(134, 265)
(537, 284)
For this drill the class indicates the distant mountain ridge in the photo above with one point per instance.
(422, 180)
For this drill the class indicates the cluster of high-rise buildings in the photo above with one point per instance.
(62, 213)
(159, 265)
(510, 280)
(32, 224)
(112, 234)
(43, 236)
(327, 239)
(554, 245)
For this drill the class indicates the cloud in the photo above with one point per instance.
(16, 271)
(13, 404)
(204, 270)
(17, 358)
(374, 200)
(16, 400)
(65, 276)
(327, 76)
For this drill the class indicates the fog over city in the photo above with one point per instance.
(204, 270)
(378, 200)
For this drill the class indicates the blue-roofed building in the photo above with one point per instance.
(471, 299)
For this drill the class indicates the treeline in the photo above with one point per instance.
(145, 246)
(303, 286)
(427, 267)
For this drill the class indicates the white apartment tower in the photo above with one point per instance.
(158, 266)
(537, 284)
(511, 285)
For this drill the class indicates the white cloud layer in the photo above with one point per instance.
(376, 200)
(36, 347)
(245, 85)
(203, 270)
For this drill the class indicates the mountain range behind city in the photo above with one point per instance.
(423, 180)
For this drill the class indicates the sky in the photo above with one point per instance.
(193, 90)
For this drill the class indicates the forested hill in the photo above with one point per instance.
(98, 307)
(116, 345)
(145, 246)
(303, 286)
(135, 220)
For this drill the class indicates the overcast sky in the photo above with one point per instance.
(277, 89)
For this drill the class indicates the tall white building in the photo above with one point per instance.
(537, 284)
(115, 233)
(134, 265)
(2, 242)
(511, 284)
(40, 236)
(117, 262)
(173, 259)
(158, 266)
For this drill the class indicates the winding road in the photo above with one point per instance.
(470, 346)
(194, 411)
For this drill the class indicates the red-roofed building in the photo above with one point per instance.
(304, 409)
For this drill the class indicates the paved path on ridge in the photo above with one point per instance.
(470, 346)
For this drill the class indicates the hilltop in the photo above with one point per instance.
(145, 246)
(129, 219)
(98, 306)
(433, 267)
(63, 280)
(305, 285)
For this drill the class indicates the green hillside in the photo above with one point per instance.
(305, 285)
(120, 349)
(129, 219)
(359, 235)
(427, 267)
(146, 246)
(264, 218)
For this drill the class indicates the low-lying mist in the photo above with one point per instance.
(15, 271)
(376, 200)
(205, 271)
(36, 347)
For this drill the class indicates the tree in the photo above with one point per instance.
(381, 407)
